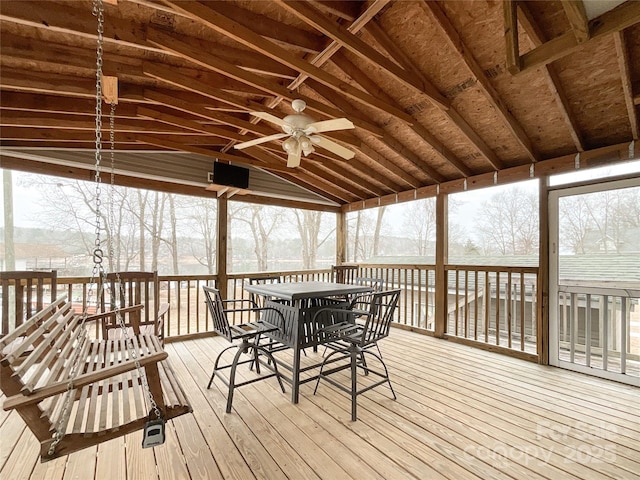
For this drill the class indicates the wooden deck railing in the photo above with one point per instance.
(486, 304)
(599, 327)
(494, 305)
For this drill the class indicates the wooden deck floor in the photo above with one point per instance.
(461, 413)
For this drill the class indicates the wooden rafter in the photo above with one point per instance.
(189, 73)
(372, 87)
(555, 85)
(577, 16)
(624, 16)
(221, 24)
(625, 77)
(512, 47)
(490, 92)
(383, 39)
(354, 44)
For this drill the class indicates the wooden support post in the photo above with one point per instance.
(542, 320)
(221, 253)
(511, 35)
(341, 237)
(442, 300)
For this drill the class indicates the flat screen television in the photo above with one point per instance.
(231, 175)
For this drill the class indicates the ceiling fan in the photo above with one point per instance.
(302, 131)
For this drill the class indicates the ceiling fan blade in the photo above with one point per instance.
(329, 126)
(293, 159)
(270, 118)
(258, 141)
(333, 147)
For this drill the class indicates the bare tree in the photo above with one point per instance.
(309, 225)
(599, 221)
(508, 223)
(420, 225)
(262, 223)
(202, 217)
(574, 222)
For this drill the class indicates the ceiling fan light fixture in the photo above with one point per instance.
(290, 144)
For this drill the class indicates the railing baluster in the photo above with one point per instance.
(475, 305)
(625, 320)
(604, 320)
(587, 330)
(573, 326)
(523, 298)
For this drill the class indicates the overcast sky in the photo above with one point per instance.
(25, 198)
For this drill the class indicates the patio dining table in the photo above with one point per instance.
(298, 303)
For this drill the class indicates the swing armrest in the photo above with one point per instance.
(131, 316)
(59, 387)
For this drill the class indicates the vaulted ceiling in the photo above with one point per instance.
(440, 92)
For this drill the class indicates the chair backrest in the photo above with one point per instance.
(344, 273)
(375, 283)
(134, 288)
(379, 308)
(218, 316)
(23, 294)
(259, 300)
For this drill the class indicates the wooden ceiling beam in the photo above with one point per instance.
(354, 44)
(390, 168)
(262, 25)
(69, 20)
(20, 101)
(160, 141)
(209, 61)
(317, 185)
(512, 46)
(372, 87)
(537, 37)
(203, 112)
(327, 173)
(350, 111)
(245, 36)
(57, 135)
(73, 21)
(621, 17)
(574, 9)
(76, 122)
(345, 10)
(625, 76)
(373, 9)
(454, 40)
(390, 46)
(342, 189)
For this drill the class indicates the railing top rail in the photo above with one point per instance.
(601, 290)
(415, 266)
(494, 268)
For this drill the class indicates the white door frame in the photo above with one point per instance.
(553, 199)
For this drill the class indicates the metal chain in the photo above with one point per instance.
(98, 270)
(125, 331)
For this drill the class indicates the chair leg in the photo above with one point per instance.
(242, 348)
(270, 359)
(215, 364)
(386, 372)
(324, 362)
(354, 383)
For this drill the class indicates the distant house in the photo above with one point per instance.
(627, 242)
(31, 256)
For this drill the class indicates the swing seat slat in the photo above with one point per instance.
(108, 396)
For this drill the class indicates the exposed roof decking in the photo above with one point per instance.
(426, 84)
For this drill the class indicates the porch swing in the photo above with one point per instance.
(74, 391)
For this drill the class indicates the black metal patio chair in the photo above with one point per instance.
(249, 335)
(375, 312)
